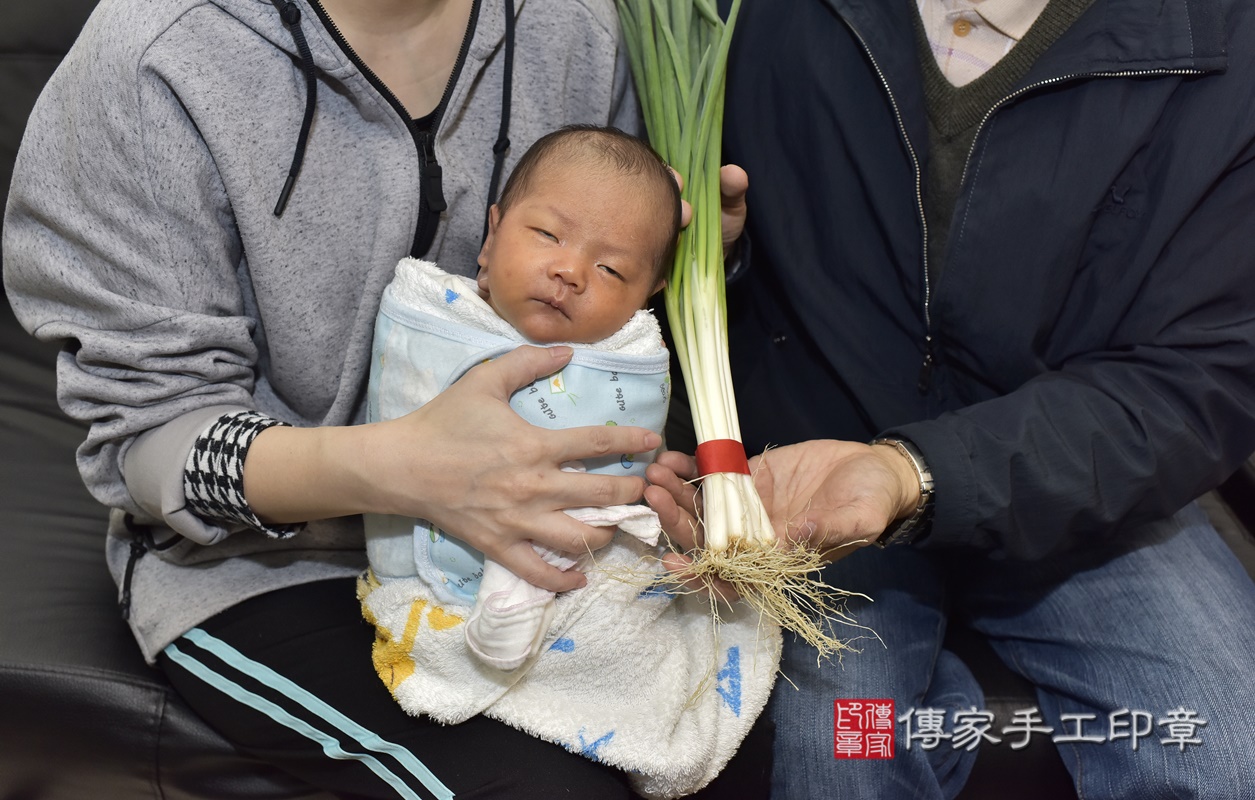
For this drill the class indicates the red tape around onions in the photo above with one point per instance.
(721, 455)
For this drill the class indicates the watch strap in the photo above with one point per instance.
(912, 527)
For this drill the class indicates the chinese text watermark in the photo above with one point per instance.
(869, 728)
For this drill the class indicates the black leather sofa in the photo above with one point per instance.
(81, 716)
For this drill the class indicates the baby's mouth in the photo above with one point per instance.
(557, 303)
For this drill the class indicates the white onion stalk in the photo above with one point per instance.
(678, 50)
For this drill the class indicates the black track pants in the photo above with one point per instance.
(287, 677)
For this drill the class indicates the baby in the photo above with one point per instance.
(584, 232)
(582, 237)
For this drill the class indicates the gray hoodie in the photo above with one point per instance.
(140, 230)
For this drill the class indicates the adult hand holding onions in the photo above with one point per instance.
(830, 496)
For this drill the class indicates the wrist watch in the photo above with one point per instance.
(911, 528)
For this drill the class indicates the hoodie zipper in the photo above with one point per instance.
(431, 191)
(924, 381)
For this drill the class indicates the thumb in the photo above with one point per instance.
(734, 183)
(504, 376)
(733, 186)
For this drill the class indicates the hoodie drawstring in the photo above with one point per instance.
(503, 133)
(141, 542)
(291, 16)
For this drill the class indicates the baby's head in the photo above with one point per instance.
(582, 237)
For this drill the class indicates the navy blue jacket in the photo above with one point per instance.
(1084, 358)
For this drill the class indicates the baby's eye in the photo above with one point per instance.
(547, 234)
(611, 271)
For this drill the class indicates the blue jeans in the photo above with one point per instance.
(1157, 624)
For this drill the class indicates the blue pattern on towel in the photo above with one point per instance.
(728, 680)
(589, 749)
(659, 588)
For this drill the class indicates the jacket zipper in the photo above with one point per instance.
(926, 369)
(431, 192)
(925, 376)
(924, 380)
(1050, 82)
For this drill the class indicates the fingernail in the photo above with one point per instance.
(560, 351)
(652, 441)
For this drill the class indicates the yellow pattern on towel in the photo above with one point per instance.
(391, 655)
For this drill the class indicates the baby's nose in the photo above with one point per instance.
(570, 272)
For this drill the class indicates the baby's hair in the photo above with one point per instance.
(608, 146)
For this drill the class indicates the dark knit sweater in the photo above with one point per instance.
(955, 114)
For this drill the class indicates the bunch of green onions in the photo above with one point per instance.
(678, 50)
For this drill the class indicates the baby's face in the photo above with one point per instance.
(573, 258)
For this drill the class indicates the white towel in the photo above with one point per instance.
(507, 625)
(627, 673)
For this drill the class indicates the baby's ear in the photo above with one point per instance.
(494, 217)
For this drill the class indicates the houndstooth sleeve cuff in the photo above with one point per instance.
(213, 478)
